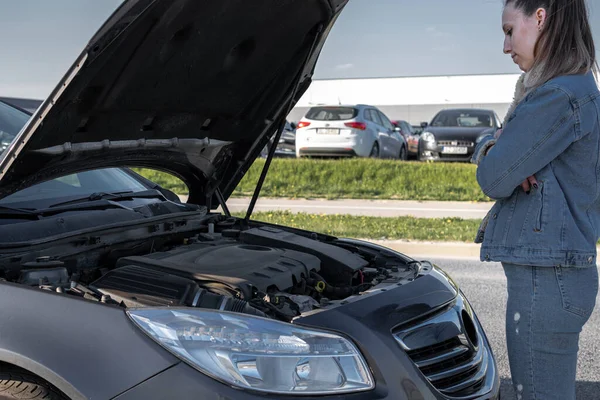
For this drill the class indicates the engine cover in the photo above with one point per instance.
(241, 266)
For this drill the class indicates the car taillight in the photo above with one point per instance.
(356, 125)
(302, 124)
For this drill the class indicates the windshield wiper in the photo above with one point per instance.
(18, 212)
(116, 196)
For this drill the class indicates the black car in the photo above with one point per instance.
(286, 147)
(454, 133)
(13, 119)
(113, 289)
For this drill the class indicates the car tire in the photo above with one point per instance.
(374, 151)
(17, 383)
(403, 154)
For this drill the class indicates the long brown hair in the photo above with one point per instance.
(565, 45)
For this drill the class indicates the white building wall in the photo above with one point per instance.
(415, 99)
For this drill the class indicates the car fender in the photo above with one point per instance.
(87, 349)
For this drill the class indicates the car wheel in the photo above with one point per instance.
(16, 383)
(375, 151)
(403, 154)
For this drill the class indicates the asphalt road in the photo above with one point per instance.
(485, 286)
(376, 208)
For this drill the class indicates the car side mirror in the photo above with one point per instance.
(293, 125)
(424, 124)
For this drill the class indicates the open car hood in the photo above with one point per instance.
(193, 88)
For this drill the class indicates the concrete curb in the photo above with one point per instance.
(423, 249)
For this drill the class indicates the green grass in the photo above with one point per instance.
(353, 178)
(434, 229)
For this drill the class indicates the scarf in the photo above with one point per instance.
(525, 84)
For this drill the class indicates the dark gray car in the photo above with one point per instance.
(454, 133)
(113, 289)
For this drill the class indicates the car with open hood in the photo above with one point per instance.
(112, 288)
(453, 133)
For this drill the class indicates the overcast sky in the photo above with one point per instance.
(373, 38)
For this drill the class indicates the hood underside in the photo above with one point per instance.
(194, 88)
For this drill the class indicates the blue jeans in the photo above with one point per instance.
(546, 311)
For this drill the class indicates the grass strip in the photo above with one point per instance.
(357, 178)
(382, 228)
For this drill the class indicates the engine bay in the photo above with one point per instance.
(260, 269)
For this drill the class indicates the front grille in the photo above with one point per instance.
(455, 362)
(461, 143)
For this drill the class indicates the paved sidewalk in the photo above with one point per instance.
(374, 208)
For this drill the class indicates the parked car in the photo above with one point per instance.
(27, 105)
(454, 133)
(12, 120)
(286, 147)
(112, 289)
(410, 136)
(348, 131)
(417, 129)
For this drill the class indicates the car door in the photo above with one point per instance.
(394, 139)
(382, 133)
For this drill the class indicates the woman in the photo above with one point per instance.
(544, 173)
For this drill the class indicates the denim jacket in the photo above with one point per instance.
(554, 134)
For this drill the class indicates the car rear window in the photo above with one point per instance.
(331, 113)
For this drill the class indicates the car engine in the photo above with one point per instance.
(262, 270)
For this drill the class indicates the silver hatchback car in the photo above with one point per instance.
(357, 130)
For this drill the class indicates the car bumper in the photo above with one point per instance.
(285, 150)
(326, 152)
(401, 355)
(334, 146)
(433, 152)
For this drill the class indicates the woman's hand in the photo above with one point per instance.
(527, 183)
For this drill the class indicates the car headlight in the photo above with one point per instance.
(257, 353)
(428, 137)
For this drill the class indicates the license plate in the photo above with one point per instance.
(328, 131)
(454, 150)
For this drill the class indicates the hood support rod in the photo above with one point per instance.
(222, 202)
(273, 147)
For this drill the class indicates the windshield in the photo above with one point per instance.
(42, 195)
(331, 113)
(463, 118)
(11, 122)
